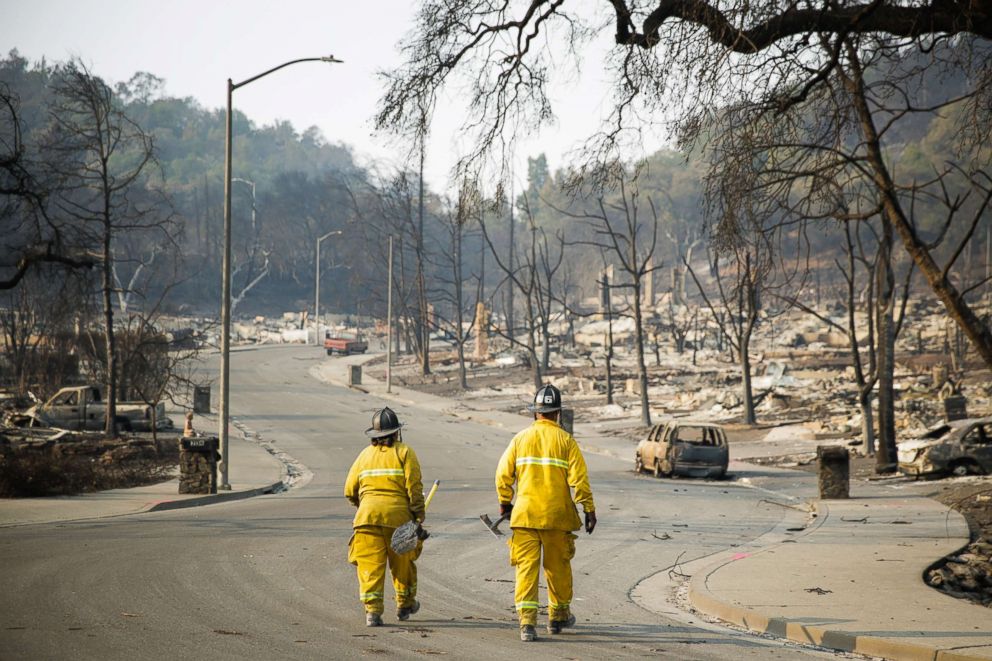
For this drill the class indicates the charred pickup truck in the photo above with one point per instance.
(694, 449)
(344, 344)
(81, 408)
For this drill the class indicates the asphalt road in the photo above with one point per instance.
(267, 577)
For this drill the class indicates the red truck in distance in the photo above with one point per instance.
(343, 343)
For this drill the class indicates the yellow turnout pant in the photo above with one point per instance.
(369, 551)
(525, 554)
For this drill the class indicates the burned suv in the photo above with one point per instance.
(960, 447)
(678, 447)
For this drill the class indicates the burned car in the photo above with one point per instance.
(678, 447)
(959, 447)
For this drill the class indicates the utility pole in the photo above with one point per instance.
(509, 307)
(225, 307)
(609, 338)
(389, 321)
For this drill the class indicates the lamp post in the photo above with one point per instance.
(225, 299)
(316, 290)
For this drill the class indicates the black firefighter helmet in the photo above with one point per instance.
(384, 423)
(547, 400)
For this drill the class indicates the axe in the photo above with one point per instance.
(494, 527)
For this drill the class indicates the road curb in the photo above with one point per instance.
(162, 505)
(706, 602)
(210, 499)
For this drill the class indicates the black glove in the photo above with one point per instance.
(505, 509)
(422, 533)
(590, 522)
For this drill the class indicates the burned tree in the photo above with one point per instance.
(823, 158)
(620, 230)
(690, 58)
(103, 160)
(870, 296)
(455, 221)
(30, 235)
(533, 276)
(37, 323)
(397, 200)
(678, 320)
(737, 301)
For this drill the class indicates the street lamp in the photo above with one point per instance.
(225, 299)
(316, 295)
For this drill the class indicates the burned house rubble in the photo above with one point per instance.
(801, 374)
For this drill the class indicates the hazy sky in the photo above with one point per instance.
(196, 46)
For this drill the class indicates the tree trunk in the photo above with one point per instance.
(155, 425)
(609, 365)
(110, 424)
(867, 422)
(642, 370)
(609, 344)
(546, 348)
(746, 391)
(885, 459)
(460, 329)
(532, 347)
(425, 327)
(695, 337)
(958, 309)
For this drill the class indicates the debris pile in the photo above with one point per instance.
(93, 445)
(967, 575)
(57, 462)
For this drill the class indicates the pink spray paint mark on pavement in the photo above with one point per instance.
(740, 556)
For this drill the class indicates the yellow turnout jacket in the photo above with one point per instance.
(385, 485)
(545, 462)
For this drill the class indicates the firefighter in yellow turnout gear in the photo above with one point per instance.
(545, 463)
(385, 485)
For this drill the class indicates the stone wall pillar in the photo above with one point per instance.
(834, 469)
(198, 465)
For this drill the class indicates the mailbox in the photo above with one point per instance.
(199, 444)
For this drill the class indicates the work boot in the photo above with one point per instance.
(555, 626)
(404, 612)
(373, 619)
(528, 633)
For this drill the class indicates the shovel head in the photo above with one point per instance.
(492, 527)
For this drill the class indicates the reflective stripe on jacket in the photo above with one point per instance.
(545, 462)
(385, 485)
